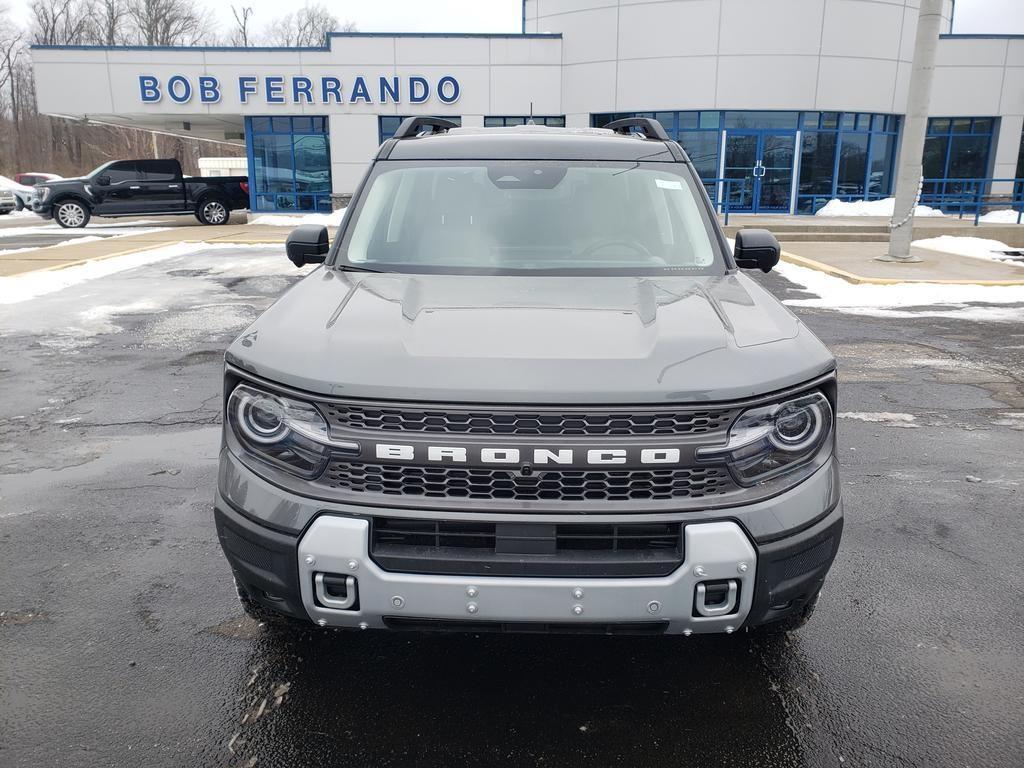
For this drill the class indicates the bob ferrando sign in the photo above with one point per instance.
(298, 89)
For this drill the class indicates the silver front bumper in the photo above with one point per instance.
(340, 546)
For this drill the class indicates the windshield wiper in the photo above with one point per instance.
(353, 268)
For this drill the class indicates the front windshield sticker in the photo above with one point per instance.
(665, 184)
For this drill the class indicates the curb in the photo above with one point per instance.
(856, 279)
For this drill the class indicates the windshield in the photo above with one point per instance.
(522, 217)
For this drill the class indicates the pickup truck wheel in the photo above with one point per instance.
(71, 214)
(269, 618)
(212, 211)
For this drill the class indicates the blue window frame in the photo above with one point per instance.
(388, 124)
(498, 121)
(289, 163)
(848, 155)
(845, 156)
(957, 151)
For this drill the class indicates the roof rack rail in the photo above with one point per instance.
(413, 126)
(650, 128)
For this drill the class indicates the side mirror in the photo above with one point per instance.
(307, 244)
(756, 249)
(103, 181)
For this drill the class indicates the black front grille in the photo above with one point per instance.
(526, 549)
(548, 485)
(548, 422)
(411, 624)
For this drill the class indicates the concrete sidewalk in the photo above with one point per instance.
(855, 263)
(58, 257)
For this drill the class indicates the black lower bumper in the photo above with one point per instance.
(264, 561)
(790, 571)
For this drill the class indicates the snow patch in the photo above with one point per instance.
(1005, 216)
(870, 208)
(884, 418)
(929, 299)
(975, 247)
(332, 219)
(19, 288)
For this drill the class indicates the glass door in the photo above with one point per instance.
(741, 160)
(775, 178)
(760, 163)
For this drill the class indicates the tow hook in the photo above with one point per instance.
(716, 598)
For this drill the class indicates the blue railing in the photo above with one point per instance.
(970, 197)
(973, 196)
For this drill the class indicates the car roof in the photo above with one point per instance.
(530, 142)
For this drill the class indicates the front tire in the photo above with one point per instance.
(71, 214)
(19, 204)
(213, 211)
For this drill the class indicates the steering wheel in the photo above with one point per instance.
(632, 245)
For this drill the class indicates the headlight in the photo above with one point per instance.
(286, 432)
(42, 193)
(771, 440)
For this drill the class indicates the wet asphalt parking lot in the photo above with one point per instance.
(122, 643)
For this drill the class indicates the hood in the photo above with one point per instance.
(530, 339)
(74, 181)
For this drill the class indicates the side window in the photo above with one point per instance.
(123, 171)
(158, 170)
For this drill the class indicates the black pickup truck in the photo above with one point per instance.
(140, 187)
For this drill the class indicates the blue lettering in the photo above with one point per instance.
(302, 86)
(389, 89)
(275, 89)
(330, 86)
(453, 93)
(246, 87)
(149, 89)
(360, 92)
(179, 89)
(209, 89)
(423, 92)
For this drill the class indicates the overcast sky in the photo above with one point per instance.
(972, 16)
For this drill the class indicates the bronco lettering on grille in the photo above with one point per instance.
(536, 456)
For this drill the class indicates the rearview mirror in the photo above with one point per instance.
(756, 249)
(307, 244)
(103, 181)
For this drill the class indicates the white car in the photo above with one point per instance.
(22, 195)
(8, 202)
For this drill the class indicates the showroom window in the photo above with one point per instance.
(1018, 189)
(289, 162)
(845, 155)
(956, 159)
(388, 124)
(498, 121)
(848, 155)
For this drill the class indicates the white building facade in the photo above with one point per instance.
(782, 105)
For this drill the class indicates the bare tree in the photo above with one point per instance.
(308, 26)
(110, 21)
(240, 35)
(63, 22)
(169, 22)
(11, 49)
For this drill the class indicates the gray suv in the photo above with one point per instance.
(530, 389)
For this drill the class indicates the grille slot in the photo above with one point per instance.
(512, 549)
(573, 628)
(549, 485)
(540, 422)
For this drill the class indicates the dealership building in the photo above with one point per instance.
(781, 105)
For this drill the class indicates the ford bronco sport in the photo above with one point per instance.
(530, 390)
